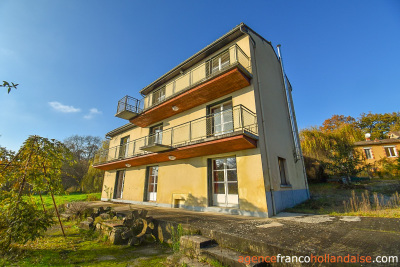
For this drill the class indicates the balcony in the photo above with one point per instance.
(227, 131)
(221, 75)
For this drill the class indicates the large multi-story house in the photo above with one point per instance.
(216, 133)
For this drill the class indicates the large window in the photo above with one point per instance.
(222, 118)
(390, 151)
(119, 184)
(368, 152)
(225, 182)
(155, 136)
(124, 146)
(218, 63)
(158, 95)
(152, 180)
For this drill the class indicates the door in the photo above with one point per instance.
(152, 183)
(159, 95)
(156, 135)
(225, 184)
(220, 62)
(123, 148)
(119, 184)
(222, 118)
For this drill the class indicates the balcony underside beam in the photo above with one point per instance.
(219, 146)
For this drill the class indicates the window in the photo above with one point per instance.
(222, 118)
(282, 171)
(368, 153)
(123, 148)
(218, 63)
(225, 182)
(119, 184)
(155, 136)
(159, 95)
(390, 151)
(152, 180)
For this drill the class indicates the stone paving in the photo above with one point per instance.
(287, 233)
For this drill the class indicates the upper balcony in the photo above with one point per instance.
(227, 131)
(221, 75)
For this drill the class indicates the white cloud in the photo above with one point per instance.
(92, 112)
(63, 108)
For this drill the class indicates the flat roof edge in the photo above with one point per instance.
(120, 129)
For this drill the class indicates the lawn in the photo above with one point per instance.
(63, 199)
(329, 198)
(83, 248)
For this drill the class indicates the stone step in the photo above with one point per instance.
(202, 247)
(194, 243)
(228, 257)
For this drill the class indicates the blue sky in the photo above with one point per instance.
(75, 59)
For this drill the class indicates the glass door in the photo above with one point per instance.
(222, 118)
(123, 149)
(225, 185)
(119, 184)
(156, 135)
(220, 62)
(152, 183)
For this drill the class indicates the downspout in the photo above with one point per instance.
(293, 123)
(271, 186)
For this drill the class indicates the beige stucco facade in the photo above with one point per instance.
(188, 183)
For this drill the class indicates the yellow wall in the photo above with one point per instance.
(188, 179)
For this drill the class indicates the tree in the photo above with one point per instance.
(344, 159)
(35, 169)
(9, 86)
(378, 125)
(333, 149)
(93, 180)
(335, 122)
(83, 149)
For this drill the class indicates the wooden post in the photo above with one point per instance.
(54, 202)
(44, 209)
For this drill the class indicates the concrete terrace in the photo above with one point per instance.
(287, 233)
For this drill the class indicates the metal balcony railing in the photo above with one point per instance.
(236, 120)
(232, 56)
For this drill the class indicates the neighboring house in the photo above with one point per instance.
(216, 133)
(378, 149)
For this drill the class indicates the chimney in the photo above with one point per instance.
(367, 137)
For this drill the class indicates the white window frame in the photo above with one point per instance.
(370, 152)
(394, 150)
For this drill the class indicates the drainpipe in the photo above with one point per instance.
(271, 186)
(295, 131)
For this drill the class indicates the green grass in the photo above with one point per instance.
(63, 199)
(328, 198)
(80, 248)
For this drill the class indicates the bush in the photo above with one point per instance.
(79, 210)
(20, 221)
(387, 168)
